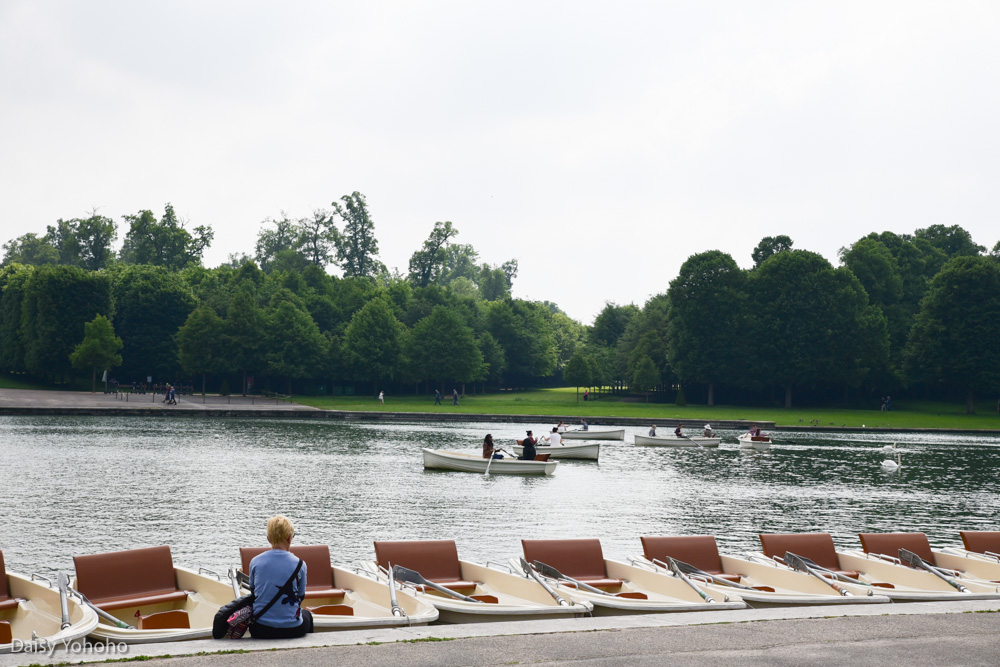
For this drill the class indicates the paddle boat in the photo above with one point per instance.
(465, 592)
(35, 616)
(143, 597)
(758, 442)
(868, 571)
(594, 434)
(439, 459)
(344, 600)
(979, 557)
(577, 569)
(759, 582)
(588, 451)
(674, 441)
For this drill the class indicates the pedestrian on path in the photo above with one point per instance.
(454, 396)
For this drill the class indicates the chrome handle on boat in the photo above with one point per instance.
(38, 577)
(203, 570)
(500, 565)
(885, 557)
(643, 563)
(992, 555)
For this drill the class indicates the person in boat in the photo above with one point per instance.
(555, 439)
(269, 574)
(678, 431)
(652, 431)
(528, 448)
(709, 433)
(561, 426)
(488, 449)
(583, 425)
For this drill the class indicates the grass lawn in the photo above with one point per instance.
(562, 403)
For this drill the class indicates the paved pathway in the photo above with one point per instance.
(84, 400)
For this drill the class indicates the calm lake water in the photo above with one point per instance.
(82, 485)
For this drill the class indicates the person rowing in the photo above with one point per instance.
(678, 432)
(554, 438)
(528, 448)
(709, 433)
(489, 451)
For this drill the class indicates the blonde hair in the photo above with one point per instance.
(279, 530)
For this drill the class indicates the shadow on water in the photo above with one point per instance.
(88, 484)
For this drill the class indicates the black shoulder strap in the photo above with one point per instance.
(280, 591)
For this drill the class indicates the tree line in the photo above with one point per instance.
(916, 312)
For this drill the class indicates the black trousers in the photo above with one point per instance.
(260, 631)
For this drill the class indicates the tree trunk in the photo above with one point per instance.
(577, 394)
(970, 406)
(788, 396)
(93, 380)
(203, 387)
(244, 383)
(711, 394)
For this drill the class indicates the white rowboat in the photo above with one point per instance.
(674, 441)
(759, 442)
(593, 434)
(584, 450)
(438, 459)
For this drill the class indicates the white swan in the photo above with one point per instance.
(889, 449)
(890, 465)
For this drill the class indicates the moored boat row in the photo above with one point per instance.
(141, 596)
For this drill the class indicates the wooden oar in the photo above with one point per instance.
(530, 572)
(103, 614)
(396, 609)
(680, 575)
(692, 440)
(488, 464)
(413, 577)
(553, 573)
(63, 583)
(916, 561)
(796, 563)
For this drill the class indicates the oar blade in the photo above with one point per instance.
(409, 576)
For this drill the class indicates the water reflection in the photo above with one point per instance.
(84, 485)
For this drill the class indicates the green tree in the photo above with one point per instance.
(442, 347)
(373, 343)
(273, 242)
(578, 373)
(357, 247)
(768, 246)
(100, 348)
(492, 283)
(163, 242)
(13, 279)
(610, 323)
(244, 334)
(645, 376)
(95, 235)
(151, 303)
(952, 240)
(57, 302)
(30, 249)
(707, 309)
(295, 346)
(427, 265)
(317, 240)
(200, 344)
(521, 329)
(953, 340)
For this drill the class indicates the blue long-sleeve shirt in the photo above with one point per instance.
(268, 573)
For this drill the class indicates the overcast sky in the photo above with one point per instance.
(599, 144)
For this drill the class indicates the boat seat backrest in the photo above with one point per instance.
(698, 550)
(435, 560)
(542, 457)
(889, 544)
(6, 635)
(581, 558)
(818, 547)
(4, 589)
(319, 570)
(123, 575)
(979, 541)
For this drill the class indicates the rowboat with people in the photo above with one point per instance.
(759, 442)
(594, 434)
(141, 596)
(466, 592)
(577, 569)
(589, 451)
(343, 600)
(439, 459)
(36, 615)
(758, 581)
(675, 441)
(899, 566)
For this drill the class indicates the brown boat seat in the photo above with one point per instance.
(817, 547)
(435, 560)
(319, 570)
(6, 601)
(582, 559)
(698, 550)
(542, 457)
(332, 609)
(979, 541)
(128, 578)
(6, 636)
(889, 544)
(175, 618)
